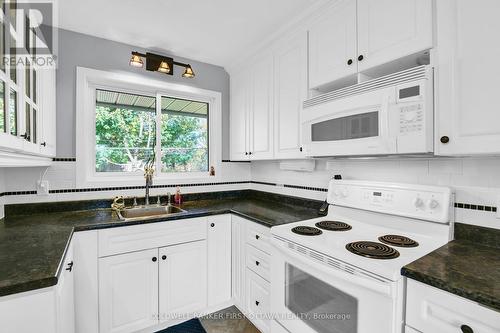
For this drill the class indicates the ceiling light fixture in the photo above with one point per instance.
(159, 63)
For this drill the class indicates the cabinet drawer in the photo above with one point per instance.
(139, 237)
(258, 300)
(259, 236)
(258, 261)
(431, 310)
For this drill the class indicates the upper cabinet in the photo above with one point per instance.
(392, 29)
(332, 44)
(252, 111)
(466, 72)
(356, 35)
(290, 90)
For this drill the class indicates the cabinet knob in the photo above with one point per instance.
(154, 259)
(250, 153)
(466, 329)
(246, 153)
(70, 267)
(43, 144)
(257, 303)
(349, 62)
(300, 149)
(163, 257)
(360, 58)
(257, 263)
(444, 139)
(212, 225)
(257, 236)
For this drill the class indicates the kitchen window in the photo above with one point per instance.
(124, 121)
(126, 127)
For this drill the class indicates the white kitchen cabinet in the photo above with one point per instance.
(466, 96)
(65, 299)
(258, 300)
(252, 111)
(239, 131)
(219, 259)
(332, 44)
(353, 36)
(238, 243)
(128, 291)
(290, 90)
(392, 29)
(47, 122)
(182, 279)
(431, 310)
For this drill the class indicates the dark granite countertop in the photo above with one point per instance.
(32, 245)
(469, 266)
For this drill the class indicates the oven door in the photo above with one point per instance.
(356, 125)
(312, 296)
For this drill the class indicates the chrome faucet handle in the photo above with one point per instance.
(169, 198)
(158, 201)
(135, 201)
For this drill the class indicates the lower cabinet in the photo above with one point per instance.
(140, 289)
(258, 300)
(182, 280)
(65, 297)
(431, 310)
(128, 291)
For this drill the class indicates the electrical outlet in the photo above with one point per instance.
(42, 187)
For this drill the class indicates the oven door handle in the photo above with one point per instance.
(360, 279)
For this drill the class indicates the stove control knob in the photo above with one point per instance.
(432, 203)
(418, 202)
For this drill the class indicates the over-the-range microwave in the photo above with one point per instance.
(389, 115)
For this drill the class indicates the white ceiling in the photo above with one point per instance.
(212, 31)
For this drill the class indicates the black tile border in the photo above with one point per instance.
(475, 207)
(64, 159)
(229, 161)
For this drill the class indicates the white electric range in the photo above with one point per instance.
(341, 273)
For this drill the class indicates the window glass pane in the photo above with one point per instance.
(13, 61)
(34, 85)
(12, 12)
(2, 46)
(125, 131)
(13, 112)
(2, 107)
(27, 81)
(184, 135)
(34, 135)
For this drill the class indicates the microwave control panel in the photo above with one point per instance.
(411, 117)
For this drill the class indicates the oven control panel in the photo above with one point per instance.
(416, 201)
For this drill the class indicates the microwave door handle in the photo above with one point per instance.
(367, 282)
(389, 138)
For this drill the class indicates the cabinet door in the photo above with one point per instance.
(183, 279)
(65, 295)
(468, 119)
(238, 239)
(128, 291)
(219, 259)
(391, 29)
(261, 109)
(47, 107)
(239, 131)
(332, 43)
(258, 299)
(290, 89)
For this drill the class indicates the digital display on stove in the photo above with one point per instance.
(377, 194)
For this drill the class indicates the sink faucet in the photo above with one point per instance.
(148, 174)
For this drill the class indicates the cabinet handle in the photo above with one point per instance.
(212, 225)
(70, 267)
(257, 263)
(466, 329)
(163, 257)
(444, 139)
(257, 236)
(349, 62)
(154, 259)
(257, 303)
(25, 136)
(360, 58)
(43, 144)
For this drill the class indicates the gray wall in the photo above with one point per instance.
(77, 49)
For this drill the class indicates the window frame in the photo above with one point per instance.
(89, 80)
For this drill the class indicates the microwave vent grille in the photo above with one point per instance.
(412, 74)
(329, 261)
